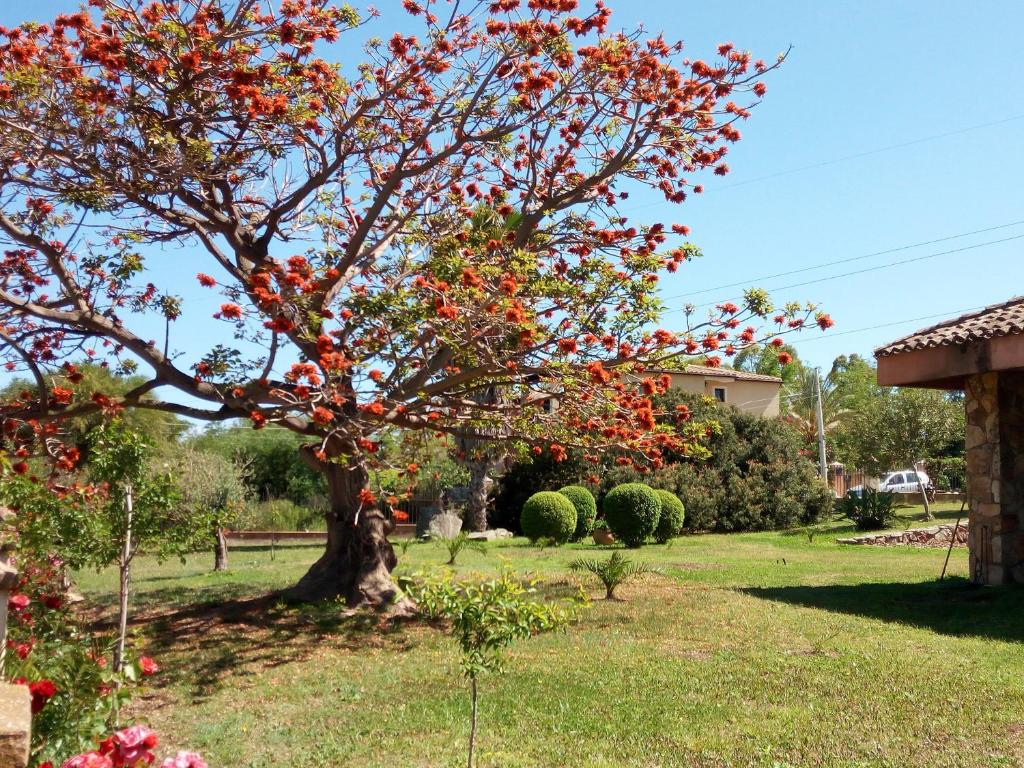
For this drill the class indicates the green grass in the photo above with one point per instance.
(751, 650)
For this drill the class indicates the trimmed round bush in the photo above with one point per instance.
(672, 515)
(632, 511)
(586, 509)
(548, 515)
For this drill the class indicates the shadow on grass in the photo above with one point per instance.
(207, 645)
(950, 607)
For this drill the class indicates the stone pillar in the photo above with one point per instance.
(995, 476)
(15, 725)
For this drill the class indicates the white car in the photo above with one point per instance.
(904, 481)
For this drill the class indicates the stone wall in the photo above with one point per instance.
(935, 536)
(995, 476)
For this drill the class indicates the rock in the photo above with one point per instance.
(15, 725)
(445, 526)
(490, 535)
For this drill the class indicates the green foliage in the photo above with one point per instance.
(162, 430)
(460, 542)
(753, 474)
(900, 427)
(586, 509)
(632, 511)
(612, 572)
(870, 511)
(273, 467)
(673, 514)
(86, 525)
(280, 515)
(47, 643)
(523, 477)
(948, 473)
(485, 616)
(548, 515)
(209, 484)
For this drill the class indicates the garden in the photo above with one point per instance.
(369, 280)
(766, 649)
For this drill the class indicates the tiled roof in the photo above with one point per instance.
(721, 373)
(1006, 319)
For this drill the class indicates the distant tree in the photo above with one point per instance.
(901, 428)
(212, 488)
(764, 359)
(83, 382)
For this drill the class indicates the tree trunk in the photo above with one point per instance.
(358, 560)
(220, 549)
(124, 572)
(476, 505)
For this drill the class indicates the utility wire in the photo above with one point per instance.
(842, 159)
(830, 335)
(866, 269)
(847, 260)
(868, 153)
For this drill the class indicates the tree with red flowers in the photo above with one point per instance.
(391, 240)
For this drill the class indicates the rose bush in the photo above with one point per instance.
(74, 693)
(128, 748)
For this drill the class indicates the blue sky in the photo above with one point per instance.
(861, 77)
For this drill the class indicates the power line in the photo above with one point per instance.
(868, 153)
(830, 335)
(847, 260)
(843, 159)
(866, 269)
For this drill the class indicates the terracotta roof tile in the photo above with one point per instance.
(1006, 319)
(721, 373)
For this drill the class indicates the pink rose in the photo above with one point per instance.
(184, 760)
(88, 760)
(148, 666)
(131, 745)
(18, 602)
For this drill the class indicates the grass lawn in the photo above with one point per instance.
(759, 649)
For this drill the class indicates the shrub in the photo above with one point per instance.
(672, 515)
(871, 510)
(586, 509)
(632, 511)
(754, 479)
(548, 515)
(516, 484)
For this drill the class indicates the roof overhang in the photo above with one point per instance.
(947, 367)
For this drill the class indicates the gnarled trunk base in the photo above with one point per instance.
(357, 563)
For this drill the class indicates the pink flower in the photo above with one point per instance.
(130, 746)
(18, 603)
(184, 760)
(148, 666)
(88, 760)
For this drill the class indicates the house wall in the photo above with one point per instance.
(758, 397)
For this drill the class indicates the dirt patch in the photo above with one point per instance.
(697, 566)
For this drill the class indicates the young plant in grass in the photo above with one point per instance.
(461, 541)
(485, 617)
(612, 572)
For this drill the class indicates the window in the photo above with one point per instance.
(720, 394)
(911, 477)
